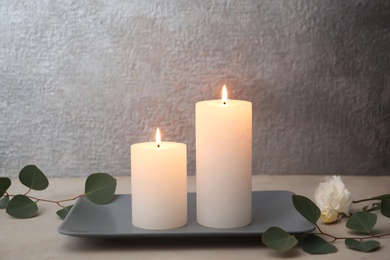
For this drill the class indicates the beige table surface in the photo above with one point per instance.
(37, 238)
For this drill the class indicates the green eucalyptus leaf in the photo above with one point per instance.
(4, 202)
(363, 246)
(278, 239)
(306, 208)
(100, 188)
(32, 177)
(62, 213)
(362, 221)
(21, 206)
(313, 244)
(5, 183)
(385, 207)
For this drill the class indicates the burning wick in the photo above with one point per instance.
(158, 138)
(224, 95)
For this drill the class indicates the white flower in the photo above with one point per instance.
(333, 199)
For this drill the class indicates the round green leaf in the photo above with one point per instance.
(363, 246)
(62, 213)
(100, 188)
(21, 206)
(278, 239)
(306, 208)
(5, 183)
(4, 202)
(313, 244)
(32, 177)
(362, 221)
(385, 207)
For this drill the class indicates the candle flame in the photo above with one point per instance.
(224, 95)
(158, 138)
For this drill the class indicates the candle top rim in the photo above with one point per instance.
(163, 145)
(230, 102)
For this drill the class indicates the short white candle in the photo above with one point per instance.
(224, 162)
(159, 184)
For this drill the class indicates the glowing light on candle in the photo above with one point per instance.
(224, 95)
(158, 138)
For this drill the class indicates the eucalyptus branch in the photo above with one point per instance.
(335, 238)
(314, 243)
(58, 202)
(99, 189)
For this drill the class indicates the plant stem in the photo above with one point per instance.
(338, 238)
(363, 200)
(27, 192)
(58, 202)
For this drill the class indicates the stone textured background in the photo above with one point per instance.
(80, 81)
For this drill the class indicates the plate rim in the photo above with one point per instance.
(230, 232)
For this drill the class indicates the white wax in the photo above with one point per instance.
(224, 163)
(159, 185)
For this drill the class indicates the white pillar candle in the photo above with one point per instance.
(159, 184)
(224, 162)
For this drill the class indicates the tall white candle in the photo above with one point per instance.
(224, 162)
(159, 184)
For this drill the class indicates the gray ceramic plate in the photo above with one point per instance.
(113, 220)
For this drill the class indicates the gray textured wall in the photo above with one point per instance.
(82, 80)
